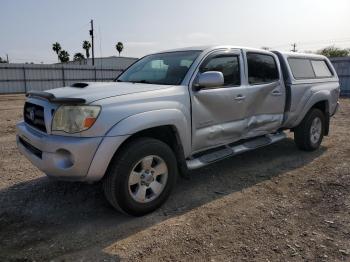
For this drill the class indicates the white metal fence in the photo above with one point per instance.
(342, 66)
(21, 78)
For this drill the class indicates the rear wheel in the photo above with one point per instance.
(309, 134)
(141, 177)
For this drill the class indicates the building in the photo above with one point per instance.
(115, 62)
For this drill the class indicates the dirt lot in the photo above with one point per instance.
(273, 204)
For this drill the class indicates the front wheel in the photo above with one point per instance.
(309, 134)
(141, 177)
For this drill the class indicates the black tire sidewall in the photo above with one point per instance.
(313, 114)
(131, 156)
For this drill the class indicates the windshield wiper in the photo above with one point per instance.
(118, 80)
(142, 82)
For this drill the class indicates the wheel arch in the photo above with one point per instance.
(168, 134)
(320, 101)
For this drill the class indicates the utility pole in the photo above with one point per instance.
(294, 47)
(7, 58)
(92, 41)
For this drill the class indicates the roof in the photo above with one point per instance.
(212, 47)
(209, 47)
(301, 55)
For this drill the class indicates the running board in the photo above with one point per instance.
(228, 151)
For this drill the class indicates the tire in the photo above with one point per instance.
(141, 176)
(309, 133)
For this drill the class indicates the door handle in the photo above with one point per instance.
(276, 93)
(239, 97)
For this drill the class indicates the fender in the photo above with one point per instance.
(141, 121)
(131, 125)
(322, 95)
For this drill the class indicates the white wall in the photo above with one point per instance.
(21, 78)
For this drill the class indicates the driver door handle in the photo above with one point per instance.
(240, 97)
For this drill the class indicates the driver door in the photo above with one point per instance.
(218, 113)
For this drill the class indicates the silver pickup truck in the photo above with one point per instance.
(175, 111)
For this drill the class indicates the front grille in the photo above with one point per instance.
(31, 148)
(34, 116)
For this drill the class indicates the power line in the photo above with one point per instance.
(326, 41)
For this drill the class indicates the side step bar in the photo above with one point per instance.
(228, 151)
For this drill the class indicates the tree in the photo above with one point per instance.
(2, 61)
(57, 48)
(87, 46)
(333, 51)
(119, 46)
(63, 56)
(78, 57)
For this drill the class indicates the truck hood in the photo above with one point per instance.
(98, 90)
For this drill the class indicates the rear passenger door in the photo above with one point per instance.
(266, 95)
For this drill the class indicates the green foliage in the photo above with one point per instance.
(87, 46)
(333, 51)
(119, 46)
(56, 47)
(78, 57)
(2, 61)
(63, 56)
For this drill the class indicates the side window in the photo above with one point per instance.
(228, 65)
(321, 69)
(301, 68)
(262, 69)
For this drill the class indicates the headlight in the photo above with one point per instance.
(74, 119)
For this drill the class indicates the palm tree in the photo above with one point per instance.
(87, 46)
(78, 57)
(119, 46)
(57, 48)
(63, 56)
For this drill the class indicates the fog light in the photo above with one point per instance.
(63, 158)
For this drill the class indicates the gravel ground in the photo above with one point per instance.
(273, 204)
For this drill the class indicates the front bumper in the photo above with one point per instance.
(66, 158)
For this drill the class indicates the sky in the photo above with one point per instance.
(28, 28)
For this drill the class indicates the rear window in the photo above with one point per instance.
(303, 68)
(262, 69)
(321, 69)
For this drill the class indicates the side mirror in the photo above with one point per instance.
(210, 79)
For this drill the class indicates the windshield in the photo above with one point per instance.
(162, 69)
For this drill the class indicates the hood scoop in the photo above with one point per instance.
(80, 85)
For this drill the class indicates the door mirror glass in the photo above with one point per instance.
(210, 79)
